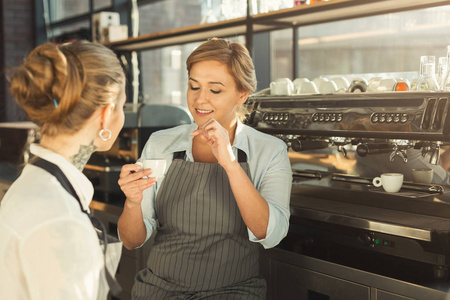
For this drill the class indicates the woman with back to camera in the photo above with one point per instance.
(49, 249)
(226, 190)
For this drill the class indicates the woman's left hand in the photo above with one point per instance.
(218, 139)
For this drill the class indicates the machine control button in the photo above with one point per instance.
(315, 117)
(333, 118)
(404, 118)
(374, 118)
(388, 243)
(367, 239)
(389, 118)
(327, 117)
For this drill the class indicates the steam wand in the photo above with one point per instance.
(434, 149)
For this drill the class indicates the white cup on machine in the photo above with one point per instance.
(423, 175)
(282, 86)
(298, 82)
(391, 182)
(157, 165)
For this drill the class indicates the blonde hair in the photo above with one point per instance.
(235, 56)
(60, 86)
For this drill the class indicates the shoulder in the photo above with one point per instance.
(167, 141)
(36, 198)
(258, 138)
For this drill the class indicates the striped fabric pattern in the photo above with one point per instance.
(202, 242)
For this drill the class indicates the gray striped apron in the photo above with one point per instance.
(201, 248)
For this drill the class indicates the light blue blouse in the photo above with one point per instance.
(269, 164)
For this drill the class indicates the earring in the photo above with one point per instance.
(108, 132)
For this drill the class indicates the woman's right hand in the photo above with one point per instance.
(132, 182)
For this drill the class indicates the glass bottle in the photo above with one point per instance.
(427, 80)
(414, 82)
(441, 71)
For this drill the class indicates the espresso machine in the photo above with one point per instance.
(337, 214)
(141, 121)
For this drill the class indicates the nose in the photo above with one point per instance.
(202, 96)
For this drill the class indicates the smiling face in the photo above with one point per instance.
(212, 93)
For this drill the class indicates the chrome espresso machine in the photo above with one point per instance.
(349, 239)
(141, 121)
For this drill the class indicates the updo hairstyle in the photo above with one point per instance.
(235, 56)
(60, 86)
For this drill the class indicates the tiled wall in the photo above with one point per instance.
(17, 37)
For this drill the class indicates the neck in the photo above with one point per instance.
(231, 128)
(75, 150)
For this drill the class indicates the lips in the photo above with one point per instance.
(203, 111)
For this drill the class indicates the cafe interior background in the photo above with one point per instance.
(366, 59)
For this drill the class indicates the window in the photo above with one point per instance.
(60, 10)
(68, 19)
(170, 14)
(364, 47)
(164, 74)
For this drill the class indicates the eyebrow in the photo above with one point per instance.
(211, 82)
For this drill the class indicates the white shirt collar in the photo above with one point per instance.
(83, 187)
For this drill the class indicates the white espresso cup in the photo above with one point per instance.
(424, 175)
(391, 182)
(157, 165)
(282, 86)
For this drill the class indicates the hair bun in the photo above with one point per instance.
(46, 76)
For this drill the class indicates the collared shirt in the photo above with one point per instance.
(49, 248)
(269, 167)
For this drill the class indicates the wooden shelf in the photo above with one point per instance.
(181, 35)
(318, 12)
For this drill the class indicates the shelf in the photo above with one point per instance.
(181, 35)
(335, 10)
(318, 12)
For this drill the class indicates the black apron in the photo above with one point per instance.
(201, 248)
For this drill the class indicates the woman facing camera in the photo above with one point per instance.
(49, 248)
(225, 193)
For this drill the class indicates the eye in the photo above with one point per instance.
(215, 92)
(194, 88)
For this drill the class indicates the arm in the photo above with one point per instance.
(445, 159)
(131, 224)
(253, 207)
(265, 210)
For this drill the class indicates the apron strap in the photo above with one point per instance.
(179, 155)
(53, 169)
(242, 157)
(56, 171)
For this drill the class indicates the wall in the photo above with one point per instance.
(17, 38)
